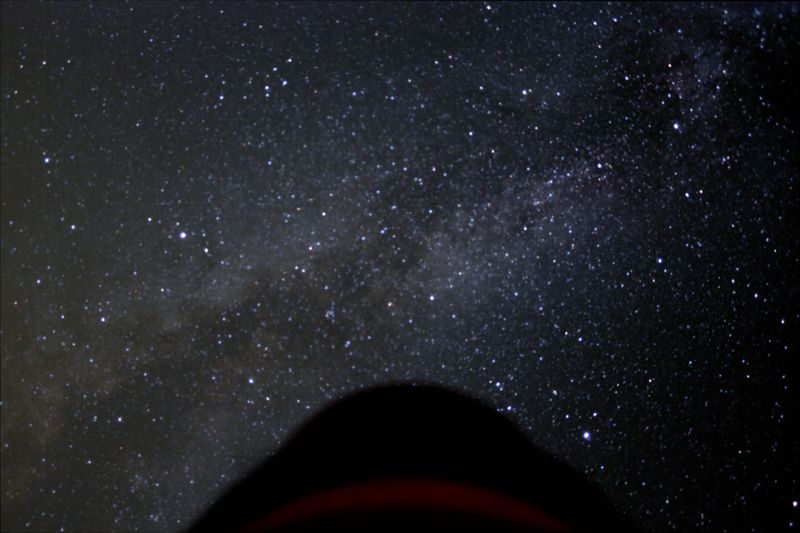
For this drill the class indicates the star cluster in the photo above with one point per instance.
(217, 218)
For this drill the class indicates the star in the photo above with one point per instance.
(580, 215)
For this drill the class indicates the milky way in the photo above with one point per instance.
(218, 218)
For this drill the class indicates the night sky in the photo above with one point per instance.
(219, 218)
